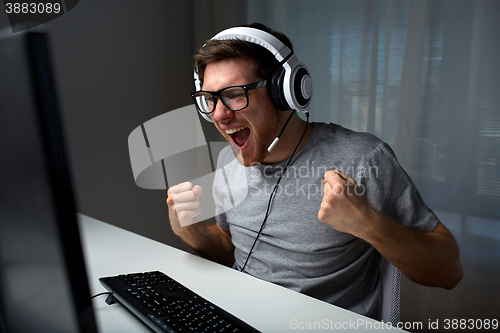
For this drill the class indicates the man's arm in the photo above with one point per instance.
(209, 241)
(427, 258)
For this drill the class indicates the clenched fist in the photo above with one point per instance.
(183, 205)
(344, 205)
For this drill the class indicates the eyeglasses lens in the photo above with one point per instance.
(234, 98)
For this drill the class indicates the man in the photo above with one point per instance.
(325, 240)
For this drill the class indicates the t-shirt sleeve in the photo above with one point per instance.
(390, 190)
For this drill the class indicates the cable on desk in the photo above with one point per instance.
(104, 293)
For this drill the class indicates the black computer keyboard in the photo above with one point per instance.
(167, 306)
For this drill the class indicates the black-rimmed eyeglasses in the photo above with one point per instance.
(235, 98)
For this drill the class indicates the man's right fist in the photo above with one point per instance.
(183, 205)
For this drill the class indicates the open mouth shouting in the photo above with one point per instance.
(239, 137)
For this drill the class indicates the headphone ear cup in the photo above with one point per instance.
(276, 90)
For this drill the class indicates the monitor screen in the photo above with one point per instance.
(43, 281)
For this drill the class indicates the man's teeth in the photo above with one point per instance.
(233, 130)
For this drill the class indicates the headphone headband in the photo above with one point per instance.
(256, 36)
(291, 84)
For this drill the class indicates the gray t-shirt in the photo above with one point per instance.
(295, 249)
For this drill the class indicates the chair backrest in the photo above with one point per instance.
(391, 285)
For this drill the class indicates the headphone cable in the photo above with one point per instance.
(274, 191)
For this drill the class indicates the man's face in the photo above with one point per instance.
(251, 130)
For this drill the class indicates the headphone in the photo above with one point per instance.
(290, 87)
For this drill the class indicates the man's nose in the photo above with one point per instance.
(221, 112)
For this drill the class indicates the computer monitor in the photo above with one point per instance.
(43, 281)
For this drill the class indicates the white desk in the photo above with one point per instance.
(109, 251)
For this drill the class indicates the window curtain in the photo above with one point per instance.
(424, 76)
